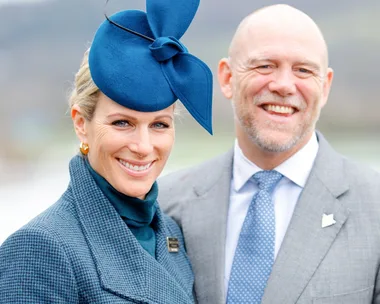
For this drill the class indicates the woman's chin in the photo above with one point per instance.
(136, 190)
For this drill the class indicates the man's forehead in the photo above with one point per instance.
(279, 34)
(286, 28)
(279, 19)
(281, 14)
(296, 58)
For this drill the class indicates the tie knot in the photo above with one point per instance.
(267, 180)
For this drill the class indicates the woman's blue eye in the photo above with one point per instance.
(121, 123)
(160, 125)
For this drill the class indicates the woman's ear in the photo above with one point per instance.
(79, 123)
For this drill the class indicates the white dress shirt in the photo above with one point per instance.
(295, 173)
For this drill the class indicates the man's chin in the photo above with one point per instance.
(276, 142)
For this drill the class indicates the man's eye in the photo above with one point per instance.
(264, 69)
(303, 70)
(121, 123)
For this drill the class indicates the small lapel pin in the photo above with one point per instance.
(173, 244)
(328, 220)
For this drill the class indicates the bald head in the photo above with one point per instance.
(278, 81)
(280, 20)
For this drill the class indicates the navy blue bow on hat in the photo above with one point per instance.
(150, 73)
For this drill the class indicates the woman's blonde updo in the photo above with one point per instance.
(85, 93)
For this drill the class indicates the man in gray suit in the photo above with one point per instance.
(312, 235)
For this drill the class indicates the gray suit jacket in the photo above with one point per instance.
(336, 264)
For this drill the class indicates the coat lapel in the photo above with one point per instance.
(204, 219)
(306, 242)
(124, 267)
(165, 260)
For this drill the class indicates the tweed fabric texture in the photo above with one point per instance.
(80, 251)
(136, 213)
(254, 254)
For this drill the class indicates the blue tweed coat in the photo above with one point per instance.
(80, 251)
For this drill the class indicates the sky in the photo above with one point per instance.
(14, 2)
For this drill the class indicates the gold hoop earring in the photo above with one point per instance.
(84, 148)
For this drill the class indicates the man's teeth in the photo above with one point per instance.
(279, 109)
(134, 168)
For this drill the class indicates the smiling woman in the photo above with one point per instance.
(106, 240)
(128, 148)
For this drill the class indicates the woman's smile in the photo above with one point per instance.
(136, 169)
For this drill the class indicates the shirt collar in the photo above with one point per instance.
(243, 168)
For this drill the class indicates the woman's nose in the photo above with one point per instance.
(141, 143)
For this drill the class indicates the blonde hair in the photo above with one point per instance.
(85, 93)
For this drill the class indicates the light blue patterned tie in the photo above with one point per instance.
(254, 255)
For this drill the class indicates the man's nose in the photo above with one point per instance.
(283, 83)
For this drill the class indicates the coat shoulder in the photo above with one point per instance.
(58, 217)
(38, 251)
(361, 172)
(362, 178)
(182, 182)
(56, 221)
(178, 188)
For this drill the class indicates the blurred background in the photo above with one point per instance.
(41, 47)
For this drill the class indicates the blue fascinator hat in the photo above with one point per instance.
(137, 60)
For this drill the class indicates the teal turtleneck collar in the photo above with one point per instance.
(136, 213)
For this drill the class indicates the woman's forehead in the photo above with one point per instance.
(107, 106)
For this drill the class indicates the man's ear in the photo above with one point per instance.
(327, 85)
(225, 77)
(79, 123)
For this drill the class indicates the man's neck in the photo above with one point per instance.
(268, 160)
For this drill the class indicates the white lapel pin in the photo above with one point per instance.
(328, 220)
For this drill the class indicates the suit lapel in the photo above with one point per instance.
(204, 219)
(306, 243)
(124, 267)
